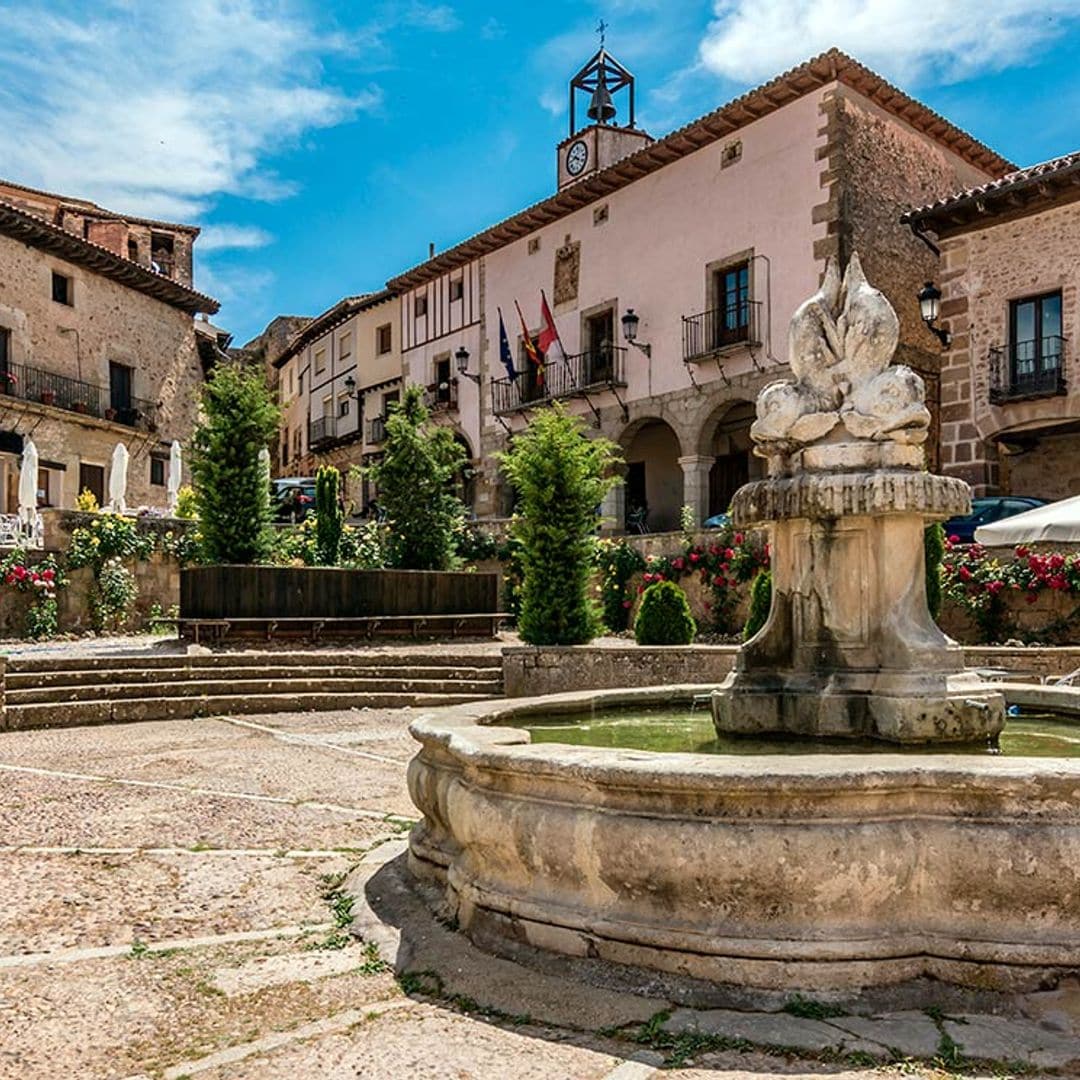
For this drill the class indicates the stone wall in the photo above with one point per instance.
(982, 271)
(1028, 621)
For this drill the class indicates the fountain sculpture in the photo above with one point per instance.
(850, 648)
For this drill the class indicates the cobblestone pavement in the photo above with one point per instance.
(173, 907)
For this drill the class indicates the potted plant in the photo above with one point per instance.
(81, 407)
(48, 397)
(110, 413)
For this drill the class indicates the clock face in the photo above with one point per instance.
(576, 157)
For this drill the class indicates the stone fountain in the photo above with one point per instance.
(849, 648)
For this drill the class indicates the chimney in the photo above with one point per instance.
(431, 250)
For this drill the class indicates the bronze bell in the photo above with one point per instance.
(601, 107)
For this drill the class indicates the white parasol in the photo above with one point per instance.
(118, 479)
(1057, 521)
(28, 485)
(174, 474)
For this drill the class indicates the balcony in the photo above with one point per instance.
(442, 396)
(582, 373)
(322, 430)
(376, 431)
(87, 399)
(715, 331)
(1027, 369)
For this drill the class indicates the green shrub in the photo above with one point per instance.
(328, 515)
(760, 603)
(664, 617)
(113, 595)
(415, 482)
(186, 504)
(934, 552)
(238, 420)
(560, 477)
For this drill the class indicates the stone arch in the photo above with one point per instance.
(466, 480)
(724, 442)
(654, 474)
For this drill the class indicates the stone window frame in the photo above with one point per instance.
(729, 262)
(345, 346)
(585, 314)
(157, 459)
(315, 355)
(68, 299)
(384, 344)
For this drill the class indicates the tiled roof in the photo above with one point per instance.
(832, 66)
(44, 235)
(1016, 192)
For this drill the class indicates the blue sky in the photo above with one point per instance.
(322, 146)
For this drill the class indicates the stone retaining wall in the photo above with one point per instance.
(535, 671)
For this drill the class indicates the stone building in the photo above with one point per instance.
(1009, 277)
(335, 380)
(97, 345)
(700, 244)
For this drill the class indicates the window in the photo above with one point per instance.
(320, 361)
(285, 448)
(598, 336)
(157, 470)
(120, 400)
(384, 340)
(1035, 341)
(133, 250)
(291, 381)
(162, 254)
(442, 387)
(300, 384)
(92, 478)
(731, 319)
(420, 305)
(62, 291)
(298, 442)
(328, 406)
(389, 399)
(345, 346)
(343, 405)
(457, 288)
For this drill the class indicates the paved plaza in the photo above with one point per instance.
(176, 898)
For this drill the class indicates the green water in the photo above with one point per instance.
(682, 730)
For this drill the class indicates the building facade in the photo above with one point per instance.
(701, 244)
(97, 345)
(1009, 278)
(336, 379)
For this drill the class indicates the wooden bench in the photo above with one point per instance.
(366, 625)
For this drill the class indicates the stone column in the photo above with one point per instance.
(696, 469)
(613, 510)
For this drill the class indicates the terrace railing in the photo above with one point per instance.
(1027, 369)
(581, 373)
(29, 383)
(722, 328)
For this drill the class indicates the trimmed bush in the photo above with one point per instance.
(934, 552)
(760, 603)
(664, 617)
(328, 515)
(560, 476)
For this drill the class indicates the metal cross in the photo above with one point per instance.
(601, 29)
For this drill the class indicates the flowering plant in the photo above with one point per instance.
(42, 579)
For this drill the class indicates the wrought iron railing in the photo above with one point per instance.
(376, 430)
(1025, 369)
(88, 399)
(721, 328)
(322, 430)
(442, 396)
(578, 374)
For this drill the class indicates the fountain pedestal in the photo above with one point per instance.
(849, 648)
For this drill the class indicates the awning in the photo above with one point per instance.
(1057, 521)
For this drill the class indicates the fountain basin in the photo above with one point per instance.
(817, 873)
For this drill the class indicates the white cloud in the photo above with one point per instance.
(157, 108)
(752, 40)
(227, 237)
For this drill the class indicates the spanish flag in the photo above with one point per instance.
(530, 348)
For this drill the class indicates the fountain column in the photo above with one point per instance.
(849, 648)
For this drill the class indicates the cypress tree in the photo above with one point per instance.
(328, 515)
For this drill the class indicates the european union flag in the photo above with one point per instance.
(505, 355)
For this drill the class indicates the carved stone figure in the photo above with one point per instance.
(841, 345)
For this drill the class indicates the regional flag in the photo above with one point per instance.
(530, 348)
(505, 355)
(550, 342)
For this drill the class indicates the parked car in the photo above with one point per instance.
(986, 510)
(717, 521)
(292, 498)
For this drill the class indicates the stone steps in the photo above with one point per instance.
(69, 691)
(78, 713)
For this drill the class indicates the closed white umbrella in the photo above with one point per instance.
(1056, 522)
(174, 474)
(28, 484)
(118, 479)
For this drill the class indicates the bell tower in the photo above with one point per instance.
(602, 142)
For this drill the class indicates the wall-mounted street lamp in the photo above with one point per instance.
(930, 306)
(350, 386)
(630, 323)
(461, 358)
